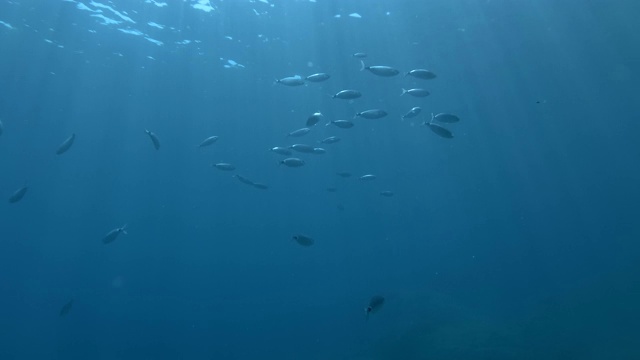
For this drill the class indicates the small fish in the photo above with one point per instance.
(66, 145)
(372, 114)
(319, 151)
(440, 131)
(421, 74)
(387, 193)
(415, 111)
(64, 311)
(281, 150)
(303, 240)
(260, 186)
(343, 124)
(380, 70)
(375, 304)
(292, 162)
(208, 141)
(319, 77)
(368, 177)
(415, 92)
(303, 148)
(18, 195)
(344, 174)
(359, 55)
(154, 139)
(296, 80)
(299, 132)
(243, 180)
(445, 118)
(224, 166)
(347, 94)
(1, 127)
(113, 234)
(314, 119)
(329, 140)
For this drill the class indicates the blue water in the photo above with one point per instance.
(516, 239)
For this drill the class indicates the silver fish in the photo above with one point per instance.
(329, 140)
(208, 141)
(372, 114)
(421, 74)
(113, 234)
(347, 94)
(440, 131)
(64, 311)
(319, 77)
(359, 55)
(314, 119)
(445, 118)
(375, 303)
(281, 150)
(319, 151)
(415, 92)
(368, 177)
(343, 124)
(415, 111)
(154, 139)
(303, 148)
(299, 132)
(296, 80)
(243, 180)
(66, 145)
(303, 240)
(380, 70)
(224, 166)
(292, 162)
(18, 194)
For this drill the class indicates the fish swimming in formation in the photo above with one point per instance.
(66, 145)
(314, 119)
(319, 77)
(260, 186)
(224, 166)
(113, 234)
(415, 92)
(18, 194)
(329, 140)
(359, 55)
(421, 74)
(347, 94)
(154, 139)
(319, 151)
(208, 141)
(343, 124)
(303, 148)
(243, 179)
(439, 130)
(375, 304)
(292, 162)
(299, 132)
(380, 70)
(295, 80)
(415, 111)
(372, 114)
(281, 150)
(64, 311)
(445, 118)
(303, 240)
(368, 177)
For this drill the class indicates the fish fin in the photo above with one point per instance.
(432, 117)
(404, 91)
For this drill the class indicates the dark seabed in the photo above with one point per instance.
(511, 234)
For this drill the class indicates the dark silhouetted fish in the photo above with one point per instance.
(64, 311)
(66, 145)
(375, 304)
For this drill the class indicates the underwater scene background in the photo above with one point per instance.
(516, 237)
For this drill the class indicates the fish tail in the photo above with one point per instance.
(404, 91)
(362, 66)
(432, 117)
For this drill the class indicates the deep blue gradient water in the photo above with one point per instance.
(516, 239)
